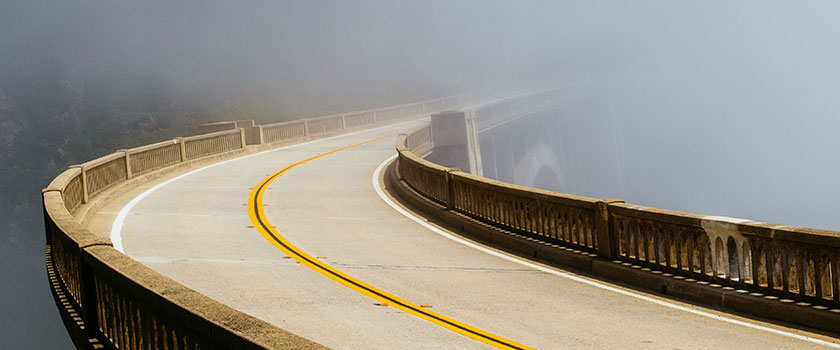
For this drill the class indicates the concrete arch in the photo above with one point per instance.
(539, 168)
(547, 179)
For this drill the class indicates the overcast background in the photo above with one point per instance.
(719, 107)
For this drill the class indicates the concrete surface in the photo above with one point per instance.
(196, 231)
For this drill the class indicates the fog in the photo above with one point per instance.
(718, 107)
(722, 109)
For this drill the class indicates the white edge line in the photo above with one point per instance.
(381, 193)
(116, 227)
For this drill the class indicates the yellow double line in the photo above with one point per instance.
(257, 214)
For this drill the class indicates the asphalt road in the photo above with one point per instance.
(197, 230)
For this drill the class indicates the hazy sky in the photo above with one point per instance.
(721, 107)
(731, 109)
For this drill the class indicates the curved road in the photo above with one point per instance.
(196, 229)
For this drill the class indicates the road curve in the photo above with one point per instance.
(197, 230)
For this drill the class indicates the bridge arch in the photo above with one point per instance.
(547, 179)
(539, 168)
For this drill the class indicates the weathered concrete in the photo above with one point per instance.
(195, 230)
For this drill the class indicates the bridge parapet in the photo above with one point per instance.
(107, 299)
(148, 158)
(426, 177)
(782, 272)
(332, 124)
(285, 131)
(789, 262)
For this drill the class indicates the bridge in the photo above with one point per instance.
(393, 228)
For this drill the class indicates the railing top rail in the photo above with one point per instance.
(401, 142)
(331, 116)
(65, 221)
(370, 110)
(793, 234)
(524, 191)
(743, 226)
(61, 181)
(211, 135)
(290, 122)
(155, 145)
(431, 166)
(657, 214)
(220, 123)
(102, 160)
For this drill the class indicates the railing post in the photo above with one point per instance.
(400, 168)
(607, 244)
(375, 117)
(127, 163)
(450, 189)
(243, 141)
(260, 136)
(84, 182)
(305, 127)
(540, 220)
(343, 122)
(182, 147)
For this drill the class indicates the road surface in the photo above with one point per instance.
(196, 229)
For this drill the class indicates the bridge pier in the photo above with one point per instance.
(455, 139)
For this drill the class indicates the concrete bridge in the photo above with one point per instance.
(317, 234)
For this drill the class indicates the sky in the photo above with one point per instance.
(717, 107)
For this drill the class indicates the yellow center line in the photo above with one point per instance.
(258, 217)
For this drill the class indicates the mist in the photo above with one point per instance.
(718, 107)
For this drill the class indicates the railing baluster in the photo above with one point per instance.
(785, 270)
(801, 270)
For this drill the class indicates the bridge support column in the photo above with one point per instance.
(455, 137)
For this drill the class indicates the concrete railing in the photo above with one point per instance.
(426, 177)
(782, 272)
(337, 123)
(144, 159)
(789, 262)
(107, 299)
(285, 131)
